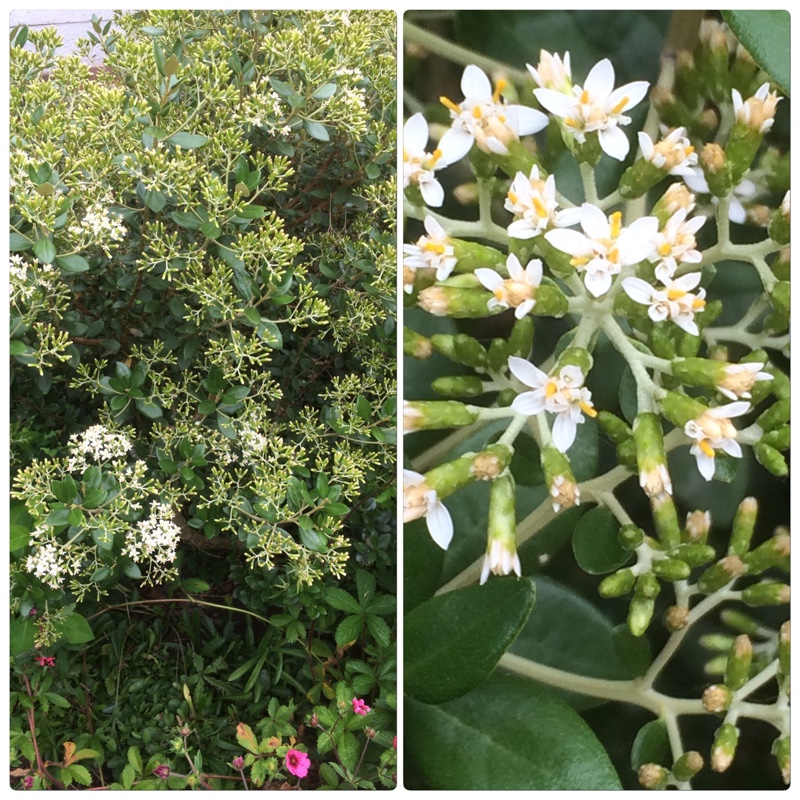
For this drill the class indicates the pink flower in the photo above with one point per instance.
(46, 661)
(360, 707)
(238, 762)
(27, 781)
(297, 762)
(162, 771)
(394, 743)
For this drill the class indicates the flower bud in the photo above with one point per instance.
(436, 415)
(767, 593)
(615, 428)
(694, 555)
(676, 198)
(720, 574)
(771, 459)
(162, 771)
(780, 438)
(497, 355)
(520, 342)
(782, 750)
(698, 524)
(784, 645)
(671, 569)
(724, 747)
(653, 776)
(314, 721)
(469, 351)
(743, 523)
(781, 297)
(370, 732)
(630, 536)
(456, 302)
(716, 169)
(506, 397)
(618, 584)
(558, 261)
(626, 454)
(775, 416)
(740, 657)
(501, 547)
(665, 519)
(640, 613)
(781, 265)
(676, 617)
(550, 301)
(238, 762)
(772, 553)
(719, 642)
(651, 456)
(415, 345)
(680, 409)
(472, 256)
(688, 765)
(647, 586)
(518, 159)
(457, 386)
(739, 621)
(754, 117)
(711, 59)
(639, 178)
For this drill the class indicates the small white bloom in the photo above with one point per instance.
(418, 164)
(433, 251)
(675, 301)
(564, 493)
(563, 395)
(483, 118)
(714, 431)
(552, 73)
(596, 106)
(533, 202)
(605, 247)
(419, 500)
(674, 153)
(676, 243)
(518, 291)
(757, 112)
(500, 560)
(739, 379)
(745, 191)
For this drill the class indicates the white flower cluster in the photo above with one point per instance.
(97, 444)
(26, 278)
(156, 538)
(100, 227)
(49, 563)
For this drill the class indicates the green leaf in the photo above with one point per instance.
(373, 171)
(81, 774)
(651, 745)
(187, 141)
(270, 333)
(379, 630)
(283, 89)
(251, 212)
(348, 749)
(149, 408)
(567, 632)
(17, 242)
(422, 565)
(325, 91)
(506, 734)
(57, 699)
(453, 641)
(17, 347)
(595, 543)
(22, 634)
(337, 509)
(211, 230)
(75, 630)
(154, 200)
(73, 263)
(314, 540)
(21, 525)
(342, 601)
(186, 219)
(316, 130)
(766, 36)
(128, 776)
(135, 759)
(45, 250)
(632, 651)
(349, 629)
(194, 585)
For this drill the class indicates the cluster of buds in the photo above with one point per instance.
(655, 776)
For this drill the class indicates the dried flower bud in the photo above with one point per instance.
(652, 776)
(676, 617)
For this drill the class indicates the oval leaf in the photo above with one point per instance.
(765, 34)
(453, 641)
(595, 543)
(44, 250)
(316, 130)
(188, 141)
(651, 745)
(75, 630)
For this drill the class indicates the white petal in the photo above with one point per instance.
(600, 80)
(614, 142)
(646, 145)
(736, 212)
(731, 447)
(527, 373)
(533, 272)
(434, 229)
(568, 216)
(455, 144)
(564, 430)
(475, 83)
(705, 464)
(598, 282)
(440, 524)
(697, 182)
(527, 404)
(489, 278)
(522, 229)
(524, 308)
(572, 242)
(687, 323)
(415, 133)
(514, 268)
(529, 120)
(485, 569)
(556, 103)
(594, 222)
(634, 92)
(730, 410)
(411, 478)
(432, 192)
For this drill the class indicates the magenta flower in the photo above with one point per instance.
(360, 707)
(162, 771)
(46, 661)
(394, 743)
(27, 781)
(238, 762)
(297, 762)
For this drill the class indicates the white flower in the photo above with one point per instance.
(675, 301)
(482, 117)
(500, 560)
(563, 395)
(757, 112)
(674, 153)
(745, 190)
(432, 251)
(713, 430)
(533, 201)
(739, 379)
(596, 106)
(419, 500)
(518, 291)
(676, 243)
(551, 72)
(418, 164)
(605, 247)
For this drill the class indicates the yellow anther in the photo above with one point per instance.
(539, 207)
(675, 294)
(665, 249)
(706, 447)
(434, 247)
(579, 261)
(448, 103)
(499, 292)
(616, 224)
(571, 123)
(587, 409)
(613, 255)
(585, 97)
(620, 106)
(498, 90)
(698, 303)
(550, 389)
(688, 150)
(513, 197)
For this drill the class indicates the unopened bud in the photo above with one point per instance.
(472, 256)
(238, 762)
(740, 621)
(775, 416)
(369, 732)
(680, 409)
(651, 457)
(716, 170)
(744, 522)
(724, 747)
(314, 721)
(647, 586)
(780, 438)
(458, 386)
(497, 355)
(698, 524)
(436, 415)
(784, 644)
(665, 519)
(559, 479)
(615, 428)
(640, 613)
(676, 617)
(771, 459)
(688, 765)
(489, 463)
(520, 341)
(653, 776)
(501, 546)
(771, 553)
(415, 345)
(782, 750)
(618, 584)
(695, 555)
(740, 657)
(768, 593)
(456, 302)
(626, 454)
(720, 574)
(630, 536)
(671, 569)
(718, 642)
(550, 301)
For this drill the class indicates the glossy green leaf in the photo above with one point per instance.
(632, 651)
(22, 634)
(17, 242)
(506, 734)
(45, 250)
(20, 526)
(73, 263)
(422, 564)
(75, 630)
(595, 543)
(766, 35)
(314, 540)
(651, 745)
(187, 141)
(454, 640)
(325, 91)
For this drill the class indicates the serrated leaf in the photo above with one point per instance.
(246, 737)
(348, 630)
(135, 759)
(81, 774)
(128, 776)
(341, 600)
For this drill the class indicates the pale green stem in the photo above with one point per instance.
(589, 183)
(646, 389)
(460, 229)
(767, 276)
(675, 743)
(513, 430)
(733, 252)
(543, 428)
(613, 199)
(433, 455)
(723, 222)
(752, 340)
(614, 506)
(586, 328)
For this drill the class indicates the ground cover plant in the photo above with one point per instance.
(596, 271)
(202, 284)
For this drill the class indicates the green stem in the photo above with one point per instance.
(589, 183)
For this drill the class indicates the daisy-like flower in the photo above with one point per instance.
(418, 164)
(483, 118)
(563, 395)
(518, 291)
(420, 500)
(712, 431)
(674, 153)
(757, 112)
(739, 379)
(675, 301)
(596, 106)
(433, 251)
(605, 247)
(676, 243)
(533, 202)
(297, 762)
(551, 72)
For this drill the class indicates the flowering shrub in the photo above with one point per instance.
(597, 289)
(202, 287)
